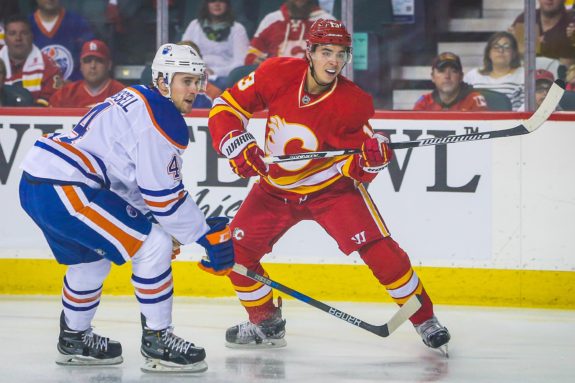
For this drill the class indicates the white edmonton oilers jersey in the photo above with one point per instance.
(131, 144)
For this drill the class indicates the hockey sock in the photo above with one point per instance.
(392, 268)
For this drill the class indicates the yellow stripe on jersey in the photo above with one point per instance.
(325, 95)
(311, 188)
(373, 210)
(287, 180)
(226, 96)
(32, 83)
(346, 166)
(221, 108)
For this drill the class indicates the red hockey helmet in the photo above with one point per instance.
(324, 31)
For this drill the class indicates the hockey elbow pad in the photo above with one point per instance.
(219, 247)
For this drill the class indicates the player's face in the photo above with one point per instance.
(18, 38)
(328, 61)
(446, 79)
(184, 89)
(95, 70)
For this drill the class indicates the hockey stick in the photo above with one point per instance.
(535, 121)
(404, 313)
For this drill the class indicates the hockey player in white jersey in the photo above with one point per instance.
(111, 190)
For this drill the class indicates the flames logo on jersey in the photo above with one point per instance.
(282, 133)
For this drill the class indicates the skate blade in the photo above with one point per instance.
(266, 344)
(161, 366)
(80, 360)
(443, 350)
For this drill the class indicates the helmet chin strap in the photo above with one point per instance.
(314, 76)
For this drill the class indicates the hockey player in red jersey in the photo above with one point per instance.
(311, 107)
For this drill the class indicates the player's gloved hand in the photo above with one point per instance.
(375, 153)
(244, 154)
(219, 248)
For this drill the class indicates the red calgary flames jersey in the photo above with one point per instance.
(77, 94)
(297, 122)
(469, 101)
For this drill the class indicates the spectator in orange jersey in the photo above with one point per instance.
(26, 65)
(450, 93)
(96, 86)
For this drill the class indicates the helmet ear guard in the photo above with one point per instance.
(172, 58)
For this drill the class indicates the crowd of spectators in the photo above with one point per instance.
(62, 52)
(63, 60)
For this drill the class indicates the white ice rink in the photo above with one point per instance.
(488, 345)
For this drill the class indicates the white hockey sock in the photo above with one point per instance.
(81, 292)
(152, 278)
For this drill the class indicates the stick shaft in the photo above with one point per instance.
(535, 121)
(404, 313)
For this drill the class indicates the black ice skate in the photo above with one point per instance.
(434, 335)
(267, 334)
(84, 348)
(166, 352)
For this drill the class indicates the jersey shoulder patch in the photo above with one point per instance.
(164, 115)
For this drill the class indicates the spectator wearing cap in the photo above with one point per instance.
(450, 93)
(96, 85)
(543, 81)
(502, 71)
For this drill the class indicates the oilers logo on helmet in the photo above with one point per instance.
(172, 58)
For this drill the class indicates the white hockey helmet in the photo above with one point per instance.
(173, 58)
